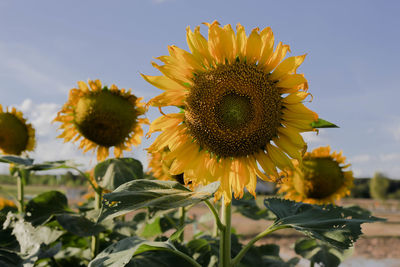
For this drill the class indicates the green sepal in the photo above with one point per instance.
(321, 123)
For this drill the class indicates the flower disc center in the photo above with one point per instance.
(233, 110)
(105, 118)
(13, 134)
(322, 178)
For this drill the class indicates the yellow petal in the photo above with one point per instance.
(82, 86)
(286, 145)
(279, 158)
(253, 47)
(276, 57)
(267, 39)
(288, 66)
(241, 41)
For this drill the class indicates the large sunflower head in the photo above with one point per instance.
(159, 167)
(320, 179)
(16, 135)
(242, 107)
(103, 117)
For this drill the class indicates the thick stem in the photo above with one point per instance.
(225, 236)
(23, 176)
(267, 231)
(312, 263)
(95, 239)
(217, 222)
(186, 257)
(20, 186)
(182, 213)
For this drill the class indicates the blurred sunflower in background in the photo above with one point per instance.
(320, 179)
(159, 168)
(6, 203)
(16, 135)
(241, 107)
(103, 117)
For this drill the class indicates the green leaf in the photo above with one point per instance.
(115, 172)
(120, 253)
(9, 258)
(152, 193)
(33, 241)
(338, 226)
(321, 123)
(16, 160)
(248, 207)
(318, 252)
(205, 250)
(51, 165)
(79, 225)
(42, 207)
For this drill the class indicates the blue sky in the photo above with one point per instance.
(352, 64)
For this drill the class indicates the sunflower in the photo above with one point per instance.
(6, 203)
(320, 179)
(159, 167)
(241, 108)
(104, 118)
(16, 136)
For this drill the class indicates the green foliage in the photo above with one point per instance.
(360, 188)
(321, 253)
(248, 207)
(335, 225)
(120, 253)
(153, 194)
(114, 172)
(321, 123)
(379, 186)
(79, 225)
(42, 207)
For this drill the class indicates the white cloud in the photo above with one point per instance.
(315, 137)
(390, 157)
(396, 133)
(363, 158)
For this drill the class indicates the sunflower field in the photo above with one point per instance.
(232, 109)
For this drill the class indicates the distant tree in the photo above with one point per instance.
(361, 188)
(379, 186)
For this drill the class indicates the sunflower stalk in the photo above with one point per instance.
(182, 213)
(96, 239)
(225, 236)
(242, 252)
(23, 176)
(217, 222)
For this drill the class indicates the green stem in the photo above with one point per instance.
(182, 220)
(225, 236)
(217, 221)
(23, 176)
(186, 257)
(98, 190)
(95, 239)
(312, 263)
(267, 231)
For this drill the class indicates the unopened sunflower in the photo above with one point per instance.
(159, 167)
(241, 105)
(103, 117)
(16, 135)
(320, 179)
